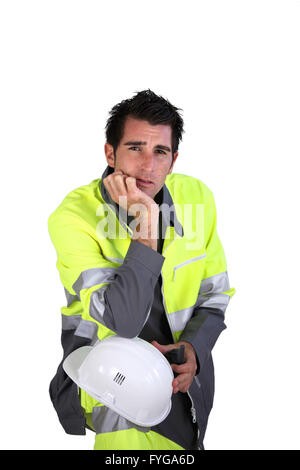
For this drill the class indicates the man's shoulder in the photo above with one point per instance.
(79, 200)
(186, 185)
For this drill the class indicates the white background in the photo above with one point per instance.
(233, 67)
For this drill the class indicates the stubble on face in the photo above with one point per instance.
(157, 169)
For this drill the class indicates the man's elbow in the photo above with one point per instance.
(125, 331)
(124, 326)
(123, 319)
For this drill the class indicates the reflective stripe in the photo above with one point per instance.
(83, 328)
(213, 288)
(179, 319)
(213, 300)
(114, 260)
(97, 305)
(92, 277)
(211, 292)
(107, 420)
(70, 322)
(87, 329)
(192, 260)
(217, 283)
(70, 297)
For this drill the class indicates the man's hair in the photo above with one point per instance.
(148, 106)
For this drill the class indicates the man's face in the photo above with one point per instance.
(144, 152)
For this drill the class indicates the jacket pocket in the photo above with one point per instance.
(185, 263)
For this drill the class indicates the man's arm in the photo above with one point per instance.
(207, 322)
(129, 296)
(100, 295)
(208, 319)
(119, 297)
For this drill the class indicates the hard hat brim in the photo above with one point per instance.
(72, 365)
(73, 362)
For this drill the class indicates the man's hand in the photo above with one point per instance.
(138, 204)
(187, 370)
(119, 184)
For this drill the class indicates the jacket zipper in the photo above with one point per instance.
(193, 409)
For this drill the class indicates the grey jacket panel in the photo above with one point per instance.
(128, 298)
(202, 331)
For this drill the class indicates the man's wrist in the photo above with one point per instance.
(146, 226)
(151, 259)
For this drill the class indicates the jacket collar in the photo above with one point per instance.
(162, 198)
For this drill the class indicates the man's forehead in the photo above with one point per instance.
(135, 129)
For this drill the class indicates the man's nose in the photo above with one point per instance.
(148, 161)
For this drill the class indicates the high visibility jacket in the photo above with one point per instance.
(93, 244)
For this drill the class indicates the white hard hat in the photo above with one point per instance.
(130, 376)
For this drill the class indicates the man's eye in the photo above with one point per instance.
(158, 150)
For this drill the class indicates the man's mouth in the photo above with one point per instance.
(144, 182)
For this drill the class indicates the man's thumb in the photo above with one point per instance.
(163, 348)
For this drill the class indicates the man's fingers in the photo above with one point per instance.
(181, 368)
(181, 383)
(130, 182)
(164, 348)
(167, 347)
(117, 187)
(119, 182)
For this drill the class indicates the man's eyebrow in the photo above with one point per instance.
(139, 142)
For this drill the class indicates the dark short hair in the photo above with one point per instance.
(148, 106)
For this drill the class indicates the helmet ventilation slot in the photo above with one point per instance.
(119, 378)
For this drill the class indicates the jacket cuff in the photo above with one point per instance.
(149, 258)
(75, 426)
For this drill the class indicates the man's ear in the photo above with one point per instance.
(174, 160)
(109, 153)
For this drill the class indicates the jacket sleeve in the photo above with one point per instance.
(115, 297)
(207, 321)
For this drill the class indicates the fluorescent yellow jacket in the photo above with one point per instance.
(195, 284)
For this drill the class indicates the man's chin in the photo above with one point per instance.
(146, 191)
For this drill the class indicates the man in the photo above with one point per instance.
(139, 255)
